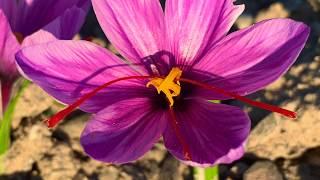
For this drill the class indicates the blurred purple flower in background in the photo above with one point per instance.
(188, 40)
(28, 22)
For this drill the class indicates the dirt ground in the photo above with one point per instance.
(277, 149)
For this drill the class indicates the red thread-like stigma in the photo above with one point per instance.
(54, 120)
(261, 105)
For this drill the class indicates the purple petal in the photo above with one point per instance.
(59, 28)
(134, 27)
(212, 133)
(84, 5)
(123, 132)
(68, 70)
(252, 58)
(8, 47)
(192, 26)
(233, 154)
(9, 8)
(27, 17)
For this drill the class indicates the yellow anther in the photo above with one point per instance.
(170, 85)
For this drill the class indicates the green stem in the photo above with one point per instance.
(211, 173)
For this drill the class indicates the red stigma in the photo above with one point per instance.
(54, 120)
(261, 105)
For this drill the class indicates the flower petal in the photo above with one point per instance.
(59, 28)
(123, 132)
(9, 8)
(134, 27)
(68, 70)
(252, 58)
(8, 47)
(27, 17)
(213, 133)
(192, 26)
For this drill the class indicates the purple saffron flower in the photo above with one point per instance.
(176, 61)
(28, 22)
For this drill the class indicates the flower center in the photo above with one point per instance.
(169, 85)
(19, 37)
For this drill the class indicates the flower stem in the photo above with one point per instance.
(211, 173)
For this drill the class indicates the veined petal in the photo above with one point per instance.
(124, 131)
(213, 133)
(251, 58)
(68, 70)
(193, 26)
(134, 27)
(26, 17)
(8, 47)
(63, 27)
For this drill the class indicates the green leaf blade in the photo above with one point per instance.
(5, 125)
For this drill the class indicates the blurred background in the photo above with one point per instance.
(278, 148)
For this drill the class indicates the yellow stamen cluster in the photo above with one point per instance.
(169, 85)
